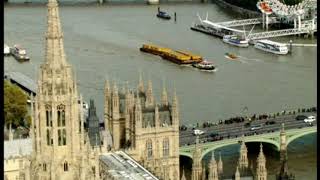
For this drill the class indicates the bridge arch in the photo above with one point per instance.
(268, 141)
(189, 155)
(296, 136)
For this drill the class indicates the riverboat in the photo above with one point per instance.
(19, 53)
(6, 50)
(231, 56)
(271, 46)
(163, 15)
(204, 65)
(178, 57)
(236, 40)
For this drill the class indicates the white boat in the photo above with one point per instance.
(19, 53)
(204, 65)
(271, 46)
(6, 50)
(236, 40)
(153, 2)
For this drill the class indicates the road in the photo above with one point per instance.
(238, 129)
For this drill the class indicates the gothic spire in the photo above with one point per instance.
(243, 159)
(220, 165)
(237, 175)
(55, 55)
(164, 97)
(183, 175)
(149, 95)
(213, 171)
(261, 165)
(140, 86)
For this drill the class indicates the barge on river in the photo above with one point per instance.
(178, 57)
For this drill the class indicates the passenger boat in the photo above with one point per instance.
(19, 53)
(231, 56)
(271, 46)
(6, 50)
(204, 65)
(163, 15)
(236, 40)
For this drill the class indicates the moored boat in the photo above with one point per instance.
(163, 15)
(236, 40)
(264, 7)
(204, 65)
(271, 46)
(6, 50)
(19, 53)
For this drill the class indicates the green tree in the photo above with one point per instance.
(15, 104)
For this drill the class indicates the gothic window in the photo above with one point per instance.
(149, 148)
(165, 146)
(59, 137)
(65, 166)
(94, 170)
(44, 166)
(64, 142)
(61, 115)
(48, 115)
(48, 137)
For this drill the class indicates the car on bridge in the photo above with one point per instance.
(270, 122)
(255, 127)
(301, 117)
(310, 119)
(197, 132)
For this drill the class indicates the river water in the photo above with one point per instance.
(103, 42)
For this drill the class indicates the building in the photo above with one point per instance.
(61, 147)
(147, 131)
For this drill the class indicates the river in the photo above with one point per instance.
(103, 42)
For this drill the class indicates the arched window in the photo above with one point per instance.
(48, 115)
(165, 146)
(149, 148)
(44, 166)
(65, 166)
(48, 137)
(61, 115)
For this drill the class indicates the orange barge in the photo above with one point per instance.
(178, 57)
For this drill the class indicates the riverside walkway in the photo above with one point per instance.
(229, 134)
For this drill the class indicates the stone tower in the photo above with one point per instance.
(196, 164)
(57, 124)
(147, 131)
(213, 168)
(284, 172)
(261, 173)
(243, 159)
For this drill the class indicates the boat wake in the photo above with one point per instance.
(257, 60)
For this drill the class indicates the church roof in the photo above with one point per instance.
(12, 148)
(93, 126)
(22, 80)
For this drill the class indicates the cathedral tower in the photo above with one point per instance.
(57, 123)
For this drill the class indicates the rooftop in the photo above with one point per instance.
(12, 148)
(22, 80)
(121, 166)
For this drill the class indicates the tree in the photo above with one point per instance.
(15, 104)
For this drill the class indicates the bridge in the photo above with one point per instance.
(246, 22)
(267, 134)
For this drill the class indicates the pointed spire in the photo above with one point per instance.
(212, 157)
(149, 95)
(261, 165)
(220, 165)
(183, 174)
(164, 97)
(55, 54)
(243, 159)
(140, 86)
(237, 175)
(203, 172)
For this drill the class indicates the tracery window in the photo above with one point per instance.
(61, 123)
(61, 115)
(165, 147)
(48, 115)
(149, 148)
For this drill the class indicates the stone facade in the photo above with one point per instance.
(147, 131)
